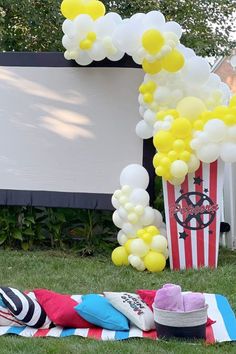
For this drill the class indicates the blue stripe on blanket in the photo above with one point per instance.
(67, 332)
(15, 330)
(227, 315)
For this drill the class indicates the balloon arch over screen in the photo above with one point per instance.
(184, 107)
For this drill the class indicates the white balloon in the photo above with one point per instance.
(163, 232)
(166, 253)
(173, 26)
(130, 230)
(154, 18)
(135, 176)
(115, 202)
(97, 52)
(142, 110)
(228, 152)
(187, 52)
(113, 16)
(158, 219)
(148, 216)
(144, 130)
(149, 116)
(138, 247)
(122, 213)
(159, 244)
(213, 81)
(121, 238)
(117, 56)
(83, 59)
(216, 130)
(67, 42)
(177, 181)
(179, 169)
(117, 220)
(208, 153)
(140, 197)
(231, 134)
(83, 24)
(67, 28)
(196, 71)
(193, 164)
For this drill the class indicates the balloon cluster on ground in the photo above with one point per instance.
(142, 231)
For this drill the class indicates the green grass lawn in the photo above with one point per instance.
(68, 273)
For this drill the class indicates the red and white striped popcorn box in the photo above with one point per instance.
(193, 217)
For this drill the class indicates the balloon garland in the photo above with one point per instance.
(184, 107)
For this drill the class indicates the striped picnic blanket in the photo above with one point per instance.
(219, 310)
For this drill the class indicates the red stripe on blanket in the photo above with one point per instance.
(95, 333)
(150, 334)
(41, 332)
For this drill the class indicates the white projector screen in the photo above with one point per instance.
(66, 132)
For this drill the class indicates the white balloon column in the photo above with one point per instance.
(142, 235)
(184, 107)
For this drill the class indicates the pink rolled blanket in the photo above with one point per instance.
(170, 298)
(193, 301)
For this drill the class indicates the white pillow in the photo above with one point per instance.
(134, 308)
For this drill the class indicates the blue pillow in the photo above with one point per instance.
(96, 309)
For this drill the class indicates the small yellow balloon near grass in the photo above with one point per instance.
(154, 261)
(119, 256)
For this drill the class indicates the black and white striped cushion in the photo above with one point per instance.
(24, 308)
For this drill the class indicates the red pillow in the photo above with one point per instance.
(60, 309)
(147, 296)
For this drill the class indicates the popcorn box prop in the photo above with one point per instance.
(193, 217)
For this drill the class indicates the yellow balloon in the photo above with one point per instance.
(153, 41)
(179, 145)
(154, 261)
(148, 98)
(157, 159)
(165, 162)
(95, 9)
(151, 86)
(86, 44)
(127, 246)
(185, 156)
(119, 256)
(153, 230)
(191, 108)
(160, 171)
(163, 141)
(92, 36)
(233, 101)
(72, 8)
(152, 68)
(172, 155)
(147, 237)
(198, 124)
(181, 128)
(174, 61)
